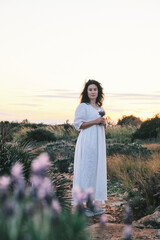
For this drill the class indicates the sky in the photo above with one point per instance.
(49, 49)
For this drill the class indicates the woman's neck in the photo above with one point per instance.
(93, 102)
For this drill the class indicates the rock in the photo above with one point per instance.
(138, 225)
(110, 218)
(152, 219)
(116, 204)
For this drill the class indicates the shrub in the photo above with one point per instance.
(65, 131)
(130, 149)
(59, 150)
(12, 153)
(40, 134)
(148, 129)
(130, 120)
(141, 178)
(119, 134)
(62, 186)
(63, 164)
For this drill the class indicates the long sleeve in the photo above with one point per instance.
(80, 116)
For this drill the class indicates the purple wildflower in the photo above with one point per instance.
(36, 181)
(127, 232)
(56, 206)
(17, 171)
(102, 113)
(103, 220)
(89, 197)
(127, 215)
(40, 164)
(42, 188)
(5, 182)
(56, 209)
(45, 190)
(18, 179)
(4, 185)
(79, 197)
(127, 221)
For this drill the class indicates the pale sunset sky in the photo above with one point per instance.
(49, 48)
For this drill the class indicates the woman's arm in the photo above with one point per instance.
(99, 120)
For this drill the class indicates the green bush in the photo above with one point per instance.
(148, 129)
(59, 150)
(147, 196)
(40, 134)
(129, 149)
(63, 164)
(130, 120)
(119, 134)
(12, 153)
(62, 185)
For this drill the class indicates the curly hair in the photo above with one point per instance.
(84, 95)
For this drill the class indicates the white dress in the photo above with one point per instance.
(90, 154)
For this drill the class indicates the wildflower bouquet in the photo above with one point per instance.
(102, 113)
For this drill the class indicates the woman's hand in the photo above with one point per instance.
(101, 120)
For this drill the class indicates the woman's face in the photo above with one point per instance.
(92, 92)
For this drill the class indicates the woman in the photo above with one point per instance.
(90, 151)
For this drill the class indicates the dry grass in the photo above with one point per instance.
(131, 170)
(20, 134)
(153, 146)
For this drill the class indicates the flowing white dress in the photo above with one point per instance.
(90, 154)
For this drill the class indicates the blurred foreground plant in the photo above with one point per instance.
(33, 212)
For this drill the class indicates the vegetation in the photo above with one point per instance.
(129, 120)
(141, 179)
(33, 211)
(149, 129)
(132, 161)
(128, 149)
(24, 153)
(40, 135)
(119, 134)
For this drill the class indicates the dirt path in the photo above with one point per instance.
(114, 229)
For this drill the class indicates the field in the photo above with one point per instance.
(133, 172)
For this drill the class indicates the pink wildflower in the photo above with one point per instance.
(56, 206)
(5, 182)
(17, 171)
(40, 164)
(79, 195)
(36, 181)
(45, 189)
(127, 232)
(103, 220)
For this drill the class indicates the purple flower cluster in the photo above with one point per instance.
(80, 197)
(103, 220)
(32, 211)
(102, 113)
(40, 191)
(128, 221)
(18, 180)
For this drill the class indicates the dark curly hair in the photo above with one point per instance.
(84, 95)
